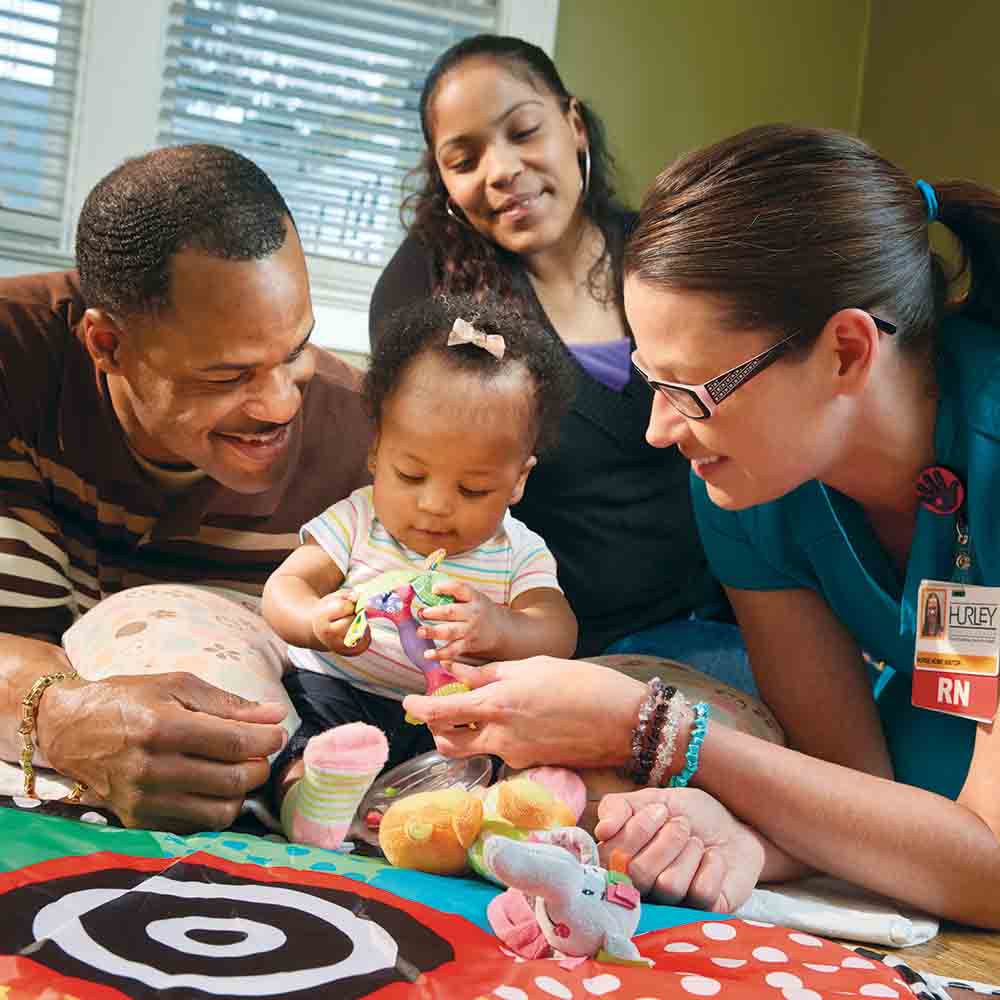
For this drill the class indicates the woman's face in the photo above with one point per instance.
(775, 432)
(933, 613)
(508, 155)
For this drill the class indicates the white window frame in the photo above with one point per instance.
(118, 105)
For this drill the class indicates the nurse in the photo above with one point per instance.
(841, 414)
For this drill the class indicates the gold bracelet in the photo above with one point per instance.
(29, 723)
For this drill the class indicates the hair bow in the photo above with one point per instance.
(465, 333)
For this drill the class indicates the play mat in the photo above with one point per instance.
(89, 910)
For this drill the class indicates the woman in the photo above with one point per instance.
(933, 622)
(796, 263)
(518, 199)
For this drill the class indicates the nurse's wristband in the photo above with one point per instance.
(668, 741)
(698, 731)
(646, 735)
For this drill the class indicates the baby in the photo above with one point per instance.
(463, 394)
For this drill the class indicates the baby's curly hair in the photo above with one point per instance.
(422, 329)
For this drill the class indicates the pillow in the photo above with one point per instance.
(215, 634)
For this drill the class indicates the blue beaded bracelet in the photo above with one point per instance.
(694, 747)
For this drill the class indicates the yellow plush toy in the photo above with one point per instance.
(526, 804)
(442, 832)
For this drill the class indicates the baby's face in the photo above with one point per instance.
(451, 455)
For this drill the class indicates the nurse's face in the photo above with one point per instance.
(776, 431)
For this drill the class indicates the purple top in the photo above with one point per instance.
(608, 361)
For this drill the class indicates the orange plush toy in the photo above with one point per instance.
(431, 831)
(443, 832)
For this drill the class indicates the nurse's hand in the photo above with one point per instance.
(537, 711)
(685, 847)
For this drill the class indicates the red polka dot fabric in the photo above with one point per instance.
(717, 958)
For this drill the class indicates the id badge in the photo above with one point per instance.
(955, 668)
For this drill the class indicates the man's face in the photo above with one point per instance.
(216, 379)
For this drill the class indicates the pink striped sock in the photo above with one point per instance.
(340, 766)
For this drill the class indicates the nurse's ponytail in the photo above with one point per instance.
(972, 212)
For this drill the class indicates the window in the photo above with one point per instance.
(321, 93)
(39, 49)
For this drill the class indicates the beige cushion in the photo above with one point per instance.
(214, 634)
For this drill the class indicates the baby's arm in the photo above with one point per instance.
(302, 603)
(538, 621)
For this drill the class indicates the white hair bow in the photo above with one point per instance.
(465, 333)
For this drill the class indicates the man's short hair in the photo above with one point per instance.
(201, 197)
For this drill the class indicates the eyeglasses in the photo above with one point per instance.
(699, 402)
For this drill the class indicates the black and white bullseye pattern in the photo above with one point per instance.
(216, 937)
(202, 931)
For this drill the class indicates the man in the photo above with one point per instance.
(162, 418)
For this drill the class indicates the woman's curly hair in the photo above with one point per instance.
(421, 329)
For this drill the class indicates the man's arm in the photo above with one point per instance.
(36, 597)
(166, 751)
(22, 662)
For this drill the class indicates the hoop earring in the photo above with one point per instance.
(455, 214)
(585, 173)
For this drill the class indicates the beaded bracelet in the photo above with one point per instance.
(646, 734)
(638, 768)
(694, 747)
(668, 740)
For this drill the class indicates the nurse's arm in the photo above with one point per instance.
(830, 802)
(810, 673)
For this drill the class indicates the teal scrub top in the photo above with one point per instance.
(817, 538)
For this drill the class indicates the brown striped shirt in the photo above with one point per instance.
(80, 519)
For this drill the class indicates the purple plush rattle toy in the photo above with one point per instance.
(390, 595)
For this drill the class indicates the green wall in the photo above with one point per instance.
(932, 87)
(668, 76)
(916, 78)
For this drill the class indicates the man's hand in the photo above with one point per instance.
(684, 845)
(165, 751)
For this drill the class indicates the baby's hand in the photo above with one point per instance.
(332, 618)
(472, 625)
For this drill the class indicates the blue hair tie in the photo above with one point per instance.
(931, 198)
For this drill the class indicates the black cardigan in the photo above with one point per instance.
(615, 511)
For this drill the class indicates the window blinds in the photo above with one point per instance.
(39, 56)
(322, 94)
